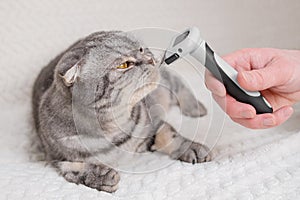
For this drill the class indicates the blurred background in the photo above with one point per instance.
(32, 32)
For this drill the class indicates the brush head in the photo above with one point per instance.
(182, 44)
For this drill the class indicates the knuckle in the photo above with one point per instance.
(259, 78)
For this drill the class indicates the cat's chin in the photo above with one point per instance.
(142, 92)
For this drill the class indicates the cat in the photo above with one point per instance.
(99, 94)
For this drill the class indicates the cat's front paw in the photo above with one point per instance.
(99, 177)
(193, 108)
(195, 153)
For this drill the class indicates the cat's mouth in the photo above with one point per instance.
(145, 86)
(142, 92)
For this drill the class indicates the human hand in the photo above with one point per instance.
(274, 72)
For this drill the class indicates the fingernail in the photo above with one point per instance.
(247, 114)
(219, 92)
(269, 122)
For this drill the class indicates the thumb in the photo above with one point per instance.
(261, 79)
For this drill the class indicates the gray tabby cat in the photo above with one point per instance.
(99, 95)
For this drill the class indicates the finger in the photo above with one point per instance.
(234, 108)
(261, 79)
(239, 59)
(250, 58)
(264, 121)
(214, 85)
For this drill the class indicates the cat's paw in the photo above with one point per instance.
(102, 179)
(196, 153)
(99, 177)
(193, 108)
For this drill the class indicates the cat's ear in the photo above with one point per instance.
(71, 75)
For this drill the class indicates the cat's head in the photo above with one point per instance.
(112, 66)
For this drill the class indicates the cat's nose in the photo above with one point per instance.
(150, 60)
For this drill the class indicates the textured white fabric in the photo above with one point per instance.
(249, 164)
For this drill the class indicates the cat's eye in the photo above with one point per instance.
(122, 66)
(126, 65)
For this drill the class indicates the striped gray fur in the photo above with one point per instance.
(84, 107)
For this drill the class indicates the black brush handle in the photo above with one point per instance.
(233, 89)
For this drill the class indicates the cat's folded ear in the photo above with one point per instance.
(71, 74)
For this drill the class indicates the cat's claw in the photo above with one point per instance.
(196, 153)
